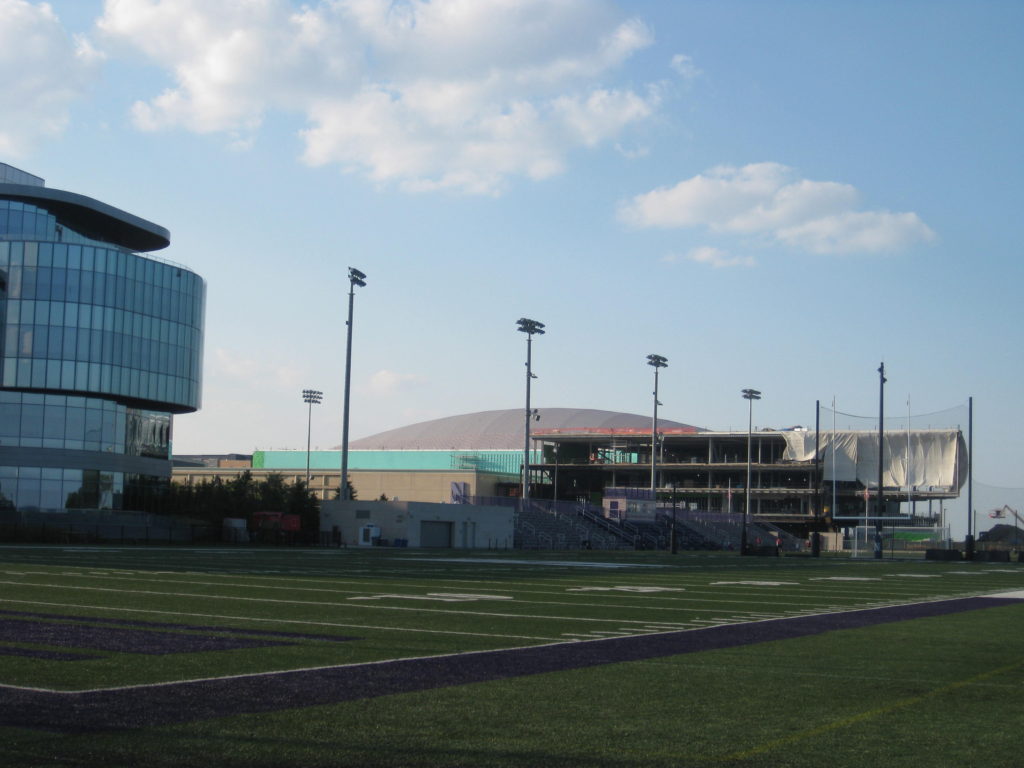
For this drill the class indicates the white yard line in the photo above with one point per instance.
(301, 622)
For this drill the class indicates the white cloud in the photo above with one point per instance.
(685, 68)
(767, 199)
(385, 382)
(450, 94)
(226, 363)
(43, 71)
(853, 231)
(716, 257)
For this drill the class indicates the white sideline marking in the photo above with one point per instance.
(444, 597)
(569, 563)
(641, 590)
(1013, 595)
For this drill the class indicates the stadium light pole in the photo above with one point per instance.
(312, 397)
(672, 539)
(657, 361)
(880, 500)
(750, 395)
(355, 277)
(529, 327)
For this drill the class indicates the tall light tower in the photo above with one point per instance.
(750, 395)
(658, 362)
(529, 327)
(880, 501)
(355, 277)
(312, 397)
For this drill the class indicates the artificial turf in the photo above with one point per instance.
(937, 690)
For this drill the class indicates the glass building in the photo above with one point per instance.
(100, 346)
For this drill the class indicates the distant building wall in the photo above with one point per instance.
(459, 526)
(499, 461)
(369, 485)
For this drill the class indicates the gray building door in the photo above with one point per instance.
(435, 533)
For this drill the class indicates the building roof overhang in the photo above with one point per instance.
(92, 218)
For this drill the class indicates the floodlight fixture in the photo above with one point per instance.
(657, 361)
(530, 327)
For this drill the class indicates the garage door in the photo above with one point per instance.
(434, 533)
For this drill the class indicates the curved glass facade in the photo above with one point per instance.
(98, 347)
(89, 318)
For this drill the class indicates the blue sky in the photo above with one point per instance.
(772, 195)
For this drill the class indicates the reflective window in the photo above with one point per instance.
(78, 423)
(57, 311)
(54, 490)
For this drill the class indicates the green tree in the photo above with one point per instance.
(272, 494)
(243, 496)
(351, 491)
(301, 502)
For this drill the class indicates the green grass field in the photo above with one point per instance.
(943, 690)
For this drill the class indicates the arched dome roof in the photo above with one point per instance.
(498, 430)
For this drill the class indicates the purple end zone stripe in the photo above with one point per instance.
(186, 702)
(186, 627)
(116, 639)
(34, 653)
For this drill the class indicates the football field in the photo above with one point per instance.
(392, 657)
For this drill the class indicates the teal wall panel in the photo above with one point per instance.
(507, 462)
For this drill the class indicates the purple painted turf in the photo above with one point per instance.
(186, 702)
(117, 639)
(35, 653)
(185, 627)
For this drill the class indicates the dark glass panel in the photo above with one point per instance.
(32, 420)
(58, 284)
(85, 289)
(56, 342)
(73, 286)
(75, 423)
(44, 280)
(93, 428)
(70, 343)
(40, 341)
(82, 353)
(28, 282)
(99, 283)
(39, 374)
(53, 421)
(10, 419)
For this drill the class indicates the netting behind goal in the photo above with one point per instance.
(898, 418)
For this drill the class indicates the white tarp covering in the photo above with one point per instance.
(935, 457)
